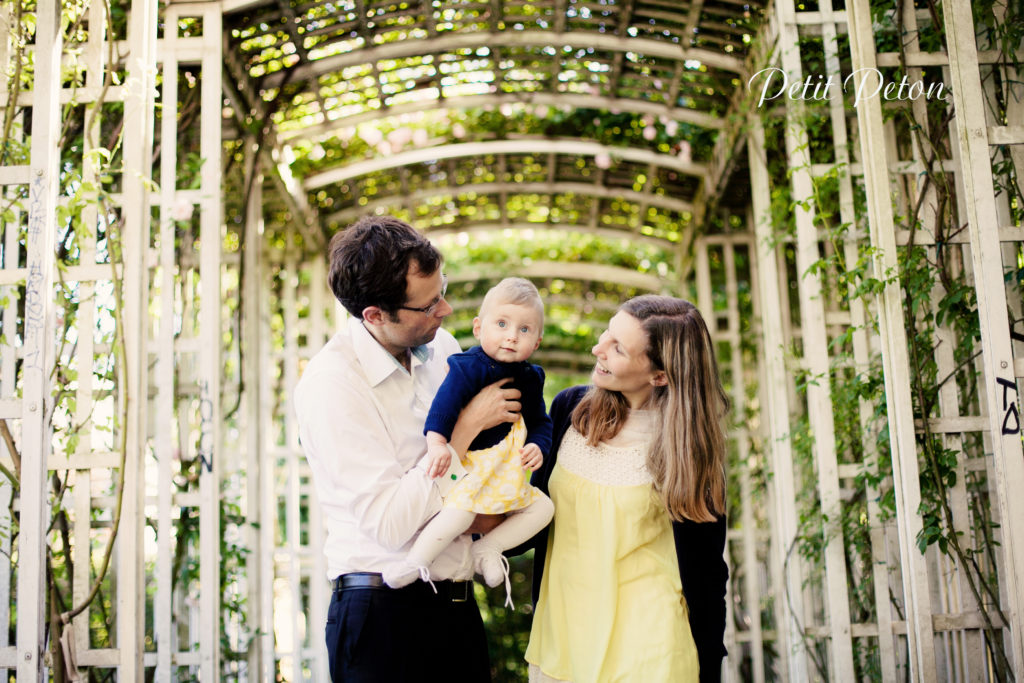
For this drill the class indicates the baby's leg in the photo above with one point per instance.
(520, 525)
(439, 532)
(445, 527)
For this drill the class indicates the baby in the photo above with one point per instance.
(509, 329)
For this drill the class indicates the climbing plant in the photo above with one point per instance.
(88, 400)
(940, 317)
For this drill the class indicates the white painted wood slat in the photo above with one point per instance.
(895, 363)
(997, 354)
(139, 123)
(815, 353)
(38, 343)
(787, 567)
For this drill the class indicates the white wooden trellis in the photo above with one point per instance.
(787, 570)
(705, 303)
(815, 358)
(747, 536)
(863, 345)
(921, 585)
(10, 404)
(917, 603)
(321, 328)
(943, 641)
(38, 350)
(138, 163)
(260, 536)
(297, 567)
(291, 559)
(186, 350)
(997, 354)
(93, 282)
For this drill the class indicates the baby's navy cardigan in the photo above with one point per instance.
(471, 371)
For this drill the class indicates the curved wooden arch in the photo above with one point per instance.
(450, 42)
(553, 188)
(609, 233)
(687, 48)
(568, 271)
(503, 147)
(559, 99)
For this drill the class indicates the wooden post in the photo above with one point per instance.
(38, 342)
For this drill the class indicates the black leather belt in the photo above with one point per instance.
(456, 591)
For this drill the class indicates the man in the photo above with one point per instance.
(361, 405)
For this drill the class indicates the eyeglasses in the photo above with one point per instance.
(432, 306)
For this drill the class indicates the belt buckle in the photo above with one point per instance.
(460, 591)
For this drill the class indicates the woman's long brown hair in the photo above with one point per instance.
(687, 454)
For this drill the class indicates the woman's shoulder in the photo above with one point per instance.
(568, 398)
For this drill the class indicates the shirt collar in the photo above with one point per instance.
(377, 363)
(422, 353)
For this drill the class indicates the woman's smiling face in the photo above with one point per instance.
(622, 361)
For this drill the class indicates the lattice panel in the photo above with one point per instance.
(66, 368)
(301, 317)
(725, 280)
(185, 444)
(867, 603)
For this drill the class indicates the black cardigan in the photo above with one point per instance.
(699, 547)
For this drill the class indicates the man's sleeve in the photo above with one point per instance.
(355, 465)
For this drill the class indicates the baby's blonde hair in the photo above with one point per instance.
(514, 290)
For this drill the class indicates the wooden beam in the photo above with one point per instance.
(451, 42)
(538, 98)
(599, 272)
(498, 147)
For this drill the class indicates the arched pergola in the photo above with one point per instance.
(171, 172)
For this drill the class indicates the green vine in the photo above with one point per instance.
(941, 316)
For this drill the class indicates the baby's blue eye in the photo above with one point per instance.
(501, 323)
(524, 329)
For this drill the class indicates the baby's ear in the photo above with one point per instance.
(476, 327)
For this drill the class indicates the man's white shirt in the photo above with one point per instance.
(361, 417)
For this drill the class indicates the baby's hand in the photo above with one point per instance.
(532, 457)
(439, 460)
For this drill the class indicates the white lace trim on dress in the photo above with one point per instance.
(622, 465)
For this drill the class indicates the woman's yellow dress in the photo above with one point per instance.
(611, 606)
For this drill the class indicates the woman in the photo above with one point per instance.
(637, 475)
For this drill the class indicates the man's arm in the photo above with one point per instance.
(355, 464)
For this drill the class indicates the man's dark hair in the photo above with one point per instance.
(370, 259)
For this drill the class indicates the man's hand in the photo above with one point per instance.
(532, 457)
(493, 405)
